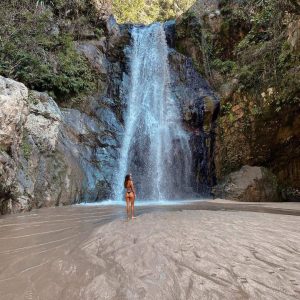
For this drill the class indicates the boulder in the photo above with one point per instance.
(52, 156)
(43, 121)
(13, 96)
(71, 154)
(294, 35)
(48, 174)
(13, 114)
(249, 184)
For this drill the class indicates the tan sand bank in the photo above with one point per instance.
(210, 251)
(197, 255)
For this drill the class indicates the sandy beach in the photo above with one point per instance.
(210, 250)
(198, 255)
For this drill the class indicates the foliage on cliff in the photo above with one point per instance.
(37, 44)
(250, 52)
(149, 11)
(247, 40)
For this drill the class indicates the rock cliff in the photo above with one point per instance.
(59, 151)
(249, 52)
(50, 155)
(199, 108)
(54, 154)
(60, 136)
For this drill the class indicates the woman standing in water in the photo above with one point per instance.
(129, 195)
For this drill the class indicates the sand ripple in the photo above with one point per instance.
(197, 255)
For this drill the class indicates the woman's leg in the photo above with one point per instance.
(127, 206)
(132, 207)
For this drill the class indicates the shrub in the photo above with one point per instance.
(148, 11)
(37, 51)
(223, 66)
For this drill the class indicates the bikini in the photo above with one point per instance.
(129, 190)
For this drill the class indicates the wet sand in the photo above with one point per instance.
(205, 250)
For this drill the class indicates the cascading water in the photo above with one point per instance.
(155, 147)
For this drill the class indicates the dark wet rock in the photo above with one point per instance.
(118, 38)
(188, 86)
(95, 142)
(107, 139)
(109, 119)
(187, 27)
(81, 124)
(115, 74)
(170, 30)
(199, 107)
(108, 102)
(101, 44)
(97, 149)
(249, 184)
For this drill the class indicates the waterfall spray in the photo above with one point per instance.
(155, 147)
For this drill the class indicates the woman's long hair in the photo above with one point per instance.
(127, 178)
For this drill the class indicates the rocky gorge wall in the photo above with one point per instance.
(52, 155)
(249, 52)
(57, 154)
(59, 151)
(199, 107)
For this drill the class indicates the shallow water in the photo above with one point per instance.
(43, 252)
(147, 202)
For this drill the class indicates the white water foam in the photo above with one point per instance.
(155, 147)
(139, 203)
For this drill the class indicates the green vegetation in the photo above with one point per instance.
(37, 45)
(26, 147)
(226, 108)
(250, 43)
(148, 11)
(224, 67)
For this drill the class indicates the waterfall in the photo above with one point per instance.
(155, 147)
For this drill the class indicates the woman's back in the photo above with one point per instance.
(129, 186)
